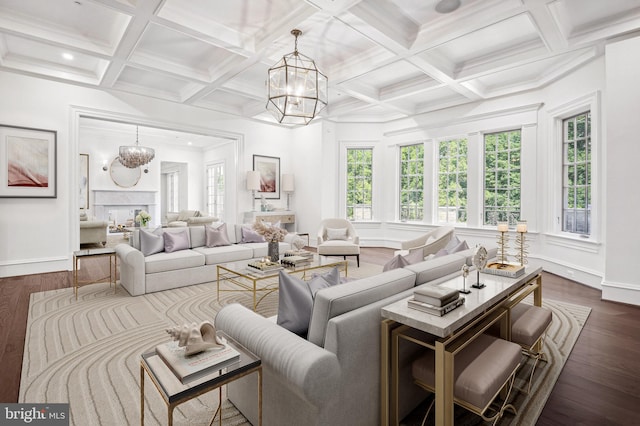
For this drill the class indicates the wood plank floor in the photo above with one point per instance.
(599, 385)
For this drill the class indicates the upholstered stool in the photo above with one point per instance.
(529, 326)
(481, 370)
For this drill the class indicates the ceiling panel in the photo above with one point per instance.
(385, 59)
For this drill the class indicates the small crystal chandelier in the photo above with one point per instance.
(297, 90)
(133, 156)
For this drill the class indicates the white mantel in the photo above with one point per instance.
(122, 203)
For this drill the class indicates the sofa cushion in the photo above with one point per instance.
(216, 237)
(337, 300)
(224, 254)
(151, 242)
(435, 268)
(175, 241)
(186, 214)
(295, 298)
(262, 249)
(163, 262)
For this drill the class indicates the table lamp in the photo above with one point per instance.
(288, 186)
(253, 185)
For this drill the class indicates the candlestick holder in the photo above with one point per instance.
(503, 241)
(521, 245)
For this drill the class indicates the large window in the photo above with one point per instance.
(502, 177)
(215, 190)
(452, 181)
(359, 184)
(412, 182)
(576, 180)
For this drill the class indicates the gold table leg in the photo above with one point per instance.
(444, 385)
(141, 395)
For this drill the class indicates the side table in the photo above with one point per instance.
(174, 392)
(97, 252)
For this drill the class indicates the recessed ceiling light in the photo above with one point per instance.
(67, 56)
(189, 143)
(447, 6)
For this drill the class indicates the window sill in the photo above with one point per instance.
(574, 242)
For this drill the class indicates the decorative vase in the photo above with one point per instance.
(272, 251)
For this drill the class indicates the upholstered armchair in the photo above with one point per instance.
(430, 242)
(92, 231)
(337, 237)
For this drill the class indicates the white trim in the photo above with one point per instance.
(592, 102)
(621, 292)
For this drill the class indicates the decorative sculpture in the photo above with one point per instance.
(197, 338)
(465, 274)
(298, 243)
(480, 257)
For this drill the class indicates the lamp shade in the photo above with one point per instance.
(288, 182)
(253, 180)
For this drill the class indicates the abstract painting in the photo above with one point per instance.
(28, 159)
(269, 168)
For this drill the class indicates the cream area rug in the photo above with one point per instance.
(87, 352)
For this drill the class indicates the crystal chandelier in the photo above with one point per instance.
(133, 156)
(297, 90)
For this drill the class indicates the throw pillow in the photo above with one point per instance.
(332, 277)
(174, 241)
(336, 233)
(216, 237)
(400, 261)
(151, 242)
(251, 236)
(454, 241)
(295, 300)
(460, 247)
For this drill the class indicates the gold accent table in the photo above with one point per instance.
(238, 274)
(174, 392)
(97, 252)
(448, 334)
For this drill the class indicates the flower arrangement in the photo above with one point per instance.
(143, 217)
(269, 232)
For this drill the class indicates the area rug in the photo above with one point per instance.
(87, 352)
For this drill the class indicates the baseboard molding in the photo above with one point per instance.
(16, 268)
(571, 272)
(621, 292)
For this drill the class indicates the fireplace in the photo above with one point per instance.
(119, 206)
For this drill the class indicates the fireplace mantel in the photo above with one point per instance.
(108, 200)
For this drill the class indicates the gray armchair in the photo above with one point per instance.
(337, 237)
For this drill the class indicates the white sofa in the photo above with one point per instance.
(332, 377)
(141, 274)
(188, 218)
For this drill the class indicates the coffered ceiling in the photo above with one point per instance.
(385, 59)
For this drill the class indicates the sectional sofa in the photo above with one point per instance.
(140, 274)
(333, 376)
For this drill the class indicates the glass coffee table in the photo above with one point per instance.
(243, 278)
(174, 392)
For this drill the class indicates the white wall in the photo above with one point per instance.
(39, 235)
(621, 282)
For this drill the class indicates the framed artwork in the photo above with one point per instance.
(269, 168)
(83, 181)
(27, 162)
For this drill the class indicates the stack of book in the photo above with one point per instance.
(301, 253)
(435, 300)
(188, 368)
(260, 267)
(293, 261)
(504, 269)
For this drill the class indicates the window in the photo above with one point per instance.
(412, 182)
(359, 183)
(452, 181)
(576, 176)
(172, 191)
(215, 190)
(502, 177)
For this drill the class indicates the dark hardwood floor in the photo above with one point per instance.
(599, 385)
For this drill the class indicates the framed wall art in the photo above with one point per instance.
(27, 162)
(269, 168)
(83, 181)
